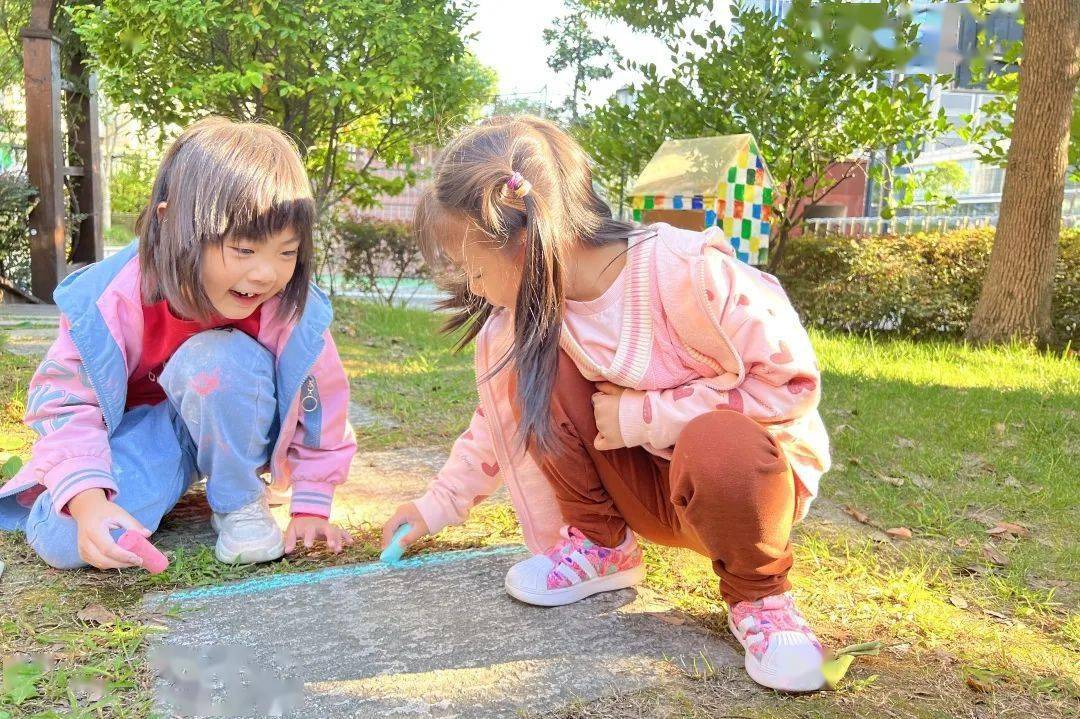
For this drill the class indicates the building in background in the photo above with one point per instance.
(948, 45)
(778, 8)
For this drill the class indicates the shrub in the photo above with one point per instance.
(918, 285)
(130, 182)
(379, 254)
(16, 199)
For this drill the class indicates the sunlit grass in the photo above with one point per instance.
(975, 435)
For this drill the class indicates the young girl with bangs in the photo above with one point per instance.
(632, 381)
(200, 350)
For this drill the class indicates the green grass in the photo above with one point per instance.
(402, 368)
(976, 435)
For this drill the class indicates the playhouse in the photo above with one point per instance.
(710, 181)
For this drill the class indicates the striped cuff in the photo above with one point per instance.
(76, 475)
(312, 498)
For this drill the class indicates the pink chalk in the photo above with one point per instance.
(153, 560)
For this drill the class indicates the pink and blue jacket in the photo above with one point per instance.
(701, 331)
(77, 395)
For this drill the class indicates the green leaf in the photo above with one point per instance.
(835, 669)
(11, 467)
(20, 679)
(864, 649)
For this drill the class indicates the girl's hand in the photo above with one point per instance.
(606, 407)
(405, 513)
(311, 529)
(94, 517)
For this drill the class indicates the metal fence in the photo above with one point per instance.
(853, 226)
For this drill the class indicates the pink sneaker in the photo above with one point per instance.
(781, 650)
(575, 568)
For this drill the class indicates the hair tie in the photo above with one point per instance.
(519, 185)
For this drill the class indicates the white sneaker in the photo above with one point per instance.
(781, 650)
(248, 535)
(575, 568)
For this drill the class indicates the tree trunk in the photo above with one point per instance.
(1018, 288)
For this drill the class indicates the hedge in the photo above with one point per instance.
(924, 284)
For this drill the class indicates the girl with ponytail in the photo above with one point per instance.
(632, 381)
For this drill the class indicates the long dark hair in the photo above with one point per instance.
(561, 210)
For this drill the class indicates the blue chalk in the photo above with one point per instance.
(394, 550)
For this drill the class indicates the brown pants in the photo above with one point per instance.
(727, 493)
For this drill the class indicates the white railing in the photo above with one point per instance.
(853, 226)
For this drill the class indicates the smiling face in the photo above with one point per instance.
(239, 274)
(492, 265)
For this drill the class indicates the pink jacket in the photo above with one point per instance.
(65, 405)
(688, 303)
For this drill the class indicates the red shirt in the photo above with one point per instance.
(163, 333)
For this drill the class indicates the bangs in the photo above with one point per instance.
(256, 191)
(256, 223)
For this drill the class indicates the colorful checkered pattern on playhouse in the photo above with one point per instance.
(725, 177)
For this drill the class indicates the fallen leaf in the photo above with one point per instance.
(11, 467)
(992, 613)
(994, 556)
(856, 514)
(901, 648)
(96, 614)
(1012, 482)
(834, 669)
(841, 428)
(868, 649)
(905, 443)
(1000, 429)
(1003, 528)
(894, 481)
(970, 570)
(899, 532)
(962, 542)
(958, 602)
(977, 684)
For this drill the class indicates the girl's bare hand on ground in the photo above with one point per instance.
(406, 513)
(95, 516)
(606, 408)
(312, 529)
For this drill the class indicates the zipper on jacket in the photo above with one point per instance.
(90, 378)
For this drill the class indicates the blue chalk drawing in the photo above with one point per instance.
(283, 581)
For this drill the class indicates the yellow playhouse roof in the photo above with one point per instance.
(693, 166)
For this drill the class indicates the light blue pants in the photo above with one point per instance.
(216, 423)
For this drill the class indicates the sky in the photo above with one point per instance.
(510, 39)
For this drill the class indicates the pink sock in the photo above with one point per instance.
(153, 560)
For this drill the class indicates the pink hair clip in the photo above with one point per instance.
(519, 185)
